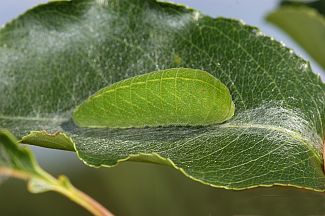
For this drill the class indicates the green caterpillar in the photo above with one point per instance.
(179, 96)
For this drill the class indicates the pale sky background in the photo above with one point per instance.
(251, 12)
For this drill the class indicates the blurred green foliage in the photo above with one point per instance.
(304, 22)
(318, 5)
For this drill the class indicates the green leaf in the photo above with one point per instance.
(305, 25)
(17, 161)
(57, 140)
(56, 55)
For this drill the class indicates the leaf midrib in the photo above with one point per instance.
(295, 135)
(32, 118)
